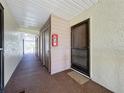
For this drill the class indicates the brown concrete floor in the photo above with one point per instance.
(32, 77)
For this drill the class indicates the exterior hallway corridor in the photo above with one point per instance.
(61, 46)
(31, 77)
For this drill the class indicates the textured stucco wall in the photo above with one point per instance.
(12, 43)
(107, 42)
(60, 55)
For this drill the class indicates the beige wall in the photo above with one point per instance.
(12, 43)
(60, 55)
(107, 42)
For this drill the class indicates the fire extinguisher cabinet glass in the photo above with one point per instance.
(54, 40)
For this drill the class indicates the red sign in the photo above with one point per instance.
(54, 39)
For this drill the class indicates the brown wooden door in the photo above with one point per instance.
(80, 47)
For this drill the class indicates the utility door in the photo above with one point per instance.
(46, 48)
(80, 47)
(1, 49)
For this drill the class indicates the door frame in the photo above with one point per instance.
(23, 41)
(36, 46)
(44, 48)
(88, 29)
(2, 70)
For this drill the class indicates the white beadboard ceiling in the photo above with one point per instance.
(32, 14)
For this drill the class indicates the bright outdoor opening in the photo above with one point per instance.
(29, 44)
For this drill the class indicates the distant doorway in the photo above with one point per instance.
(29, 44)
(1, 48)
(80, 47)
